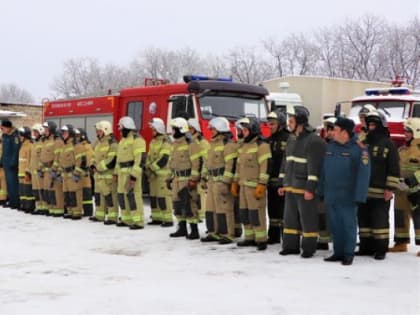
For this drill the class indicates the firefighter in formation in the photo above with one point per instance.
(373, 216)
(131, 159)
(250, 184)
(239, 178)
(218, 175)
(157, 171)
(103, 166)
(407, 197)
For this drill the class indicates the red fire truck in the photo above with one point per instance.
(200, 97)
(398, 103)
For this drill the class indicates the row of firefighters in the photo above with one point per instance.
(230, 182)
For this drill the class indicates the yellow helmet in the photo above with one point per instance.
(105, 126)
(180, 123)
(413, 125)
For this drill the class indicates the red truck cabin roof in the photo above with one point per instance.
(397, 103)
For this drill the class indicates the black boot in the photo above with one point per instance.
(181, 231)
(261, 245)
(154, 222)
(274, 233)
(209, 238)
(238, 231)
(245, 243)
(194, 232)
(322, 246)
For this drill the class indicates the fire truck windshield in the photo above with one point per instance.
(395, 110)
(232, 106)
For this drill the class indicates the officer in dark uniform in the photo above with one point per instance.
(277, 122)
(9, 159)
(373, 217)
(300, 174)
(345, 157)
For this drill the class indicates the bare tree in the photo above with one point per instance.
(247, 66)
(85, 76)
(11, 93)
(362, 42)
(275, 50)
(157, 63)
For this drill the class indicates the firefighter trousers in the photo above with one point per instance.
(275, 206)
(220, 213)
(106, 204)
(181, 199)
(3, 186)
(300, 218)
(37, 191)
(160, 199)
(54, 193)
(26, 197)
(402, 214)
(373, 219)
(130, 199)
(253, 215)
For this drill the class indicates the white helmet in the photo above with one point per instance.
(367, 109)
(330, 121)
(38, 127)
(239, 122)
(194, 124)
(378, 116)
(105, 126)
(221, 124)
(180, 123)
(413, 124)
(127, 122)
(158, 125)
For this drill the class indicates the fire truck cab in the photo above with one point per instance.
(398, 103)
(200, 97)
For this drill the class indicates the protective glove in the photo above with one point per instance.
(203, 184)
(59, 178)
(411, 181)
(28, 177)
(54, 174)
(260, 191)
(130, 183)
(75, 177)
(402, 185)
(192, 184)
(414, 199)
(234, 189)
(169, 183)
(40, 173)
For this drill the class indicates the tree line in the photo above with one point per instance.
(366, 48)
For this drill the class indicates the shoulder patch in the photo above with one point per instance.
(365, 158)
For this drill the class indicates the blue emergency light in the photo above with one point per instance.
(188, 78)
(391, 91)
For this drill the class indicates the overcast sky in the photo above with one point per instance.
(37, 36)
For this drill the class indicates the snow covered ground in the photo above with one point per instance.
(55, 266)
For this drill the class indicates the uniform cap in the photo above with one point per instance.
(345, 124)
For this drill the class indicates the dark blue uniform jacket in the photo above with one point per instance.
(346, 173)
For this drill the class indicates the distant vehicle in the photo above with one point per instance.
(398, 103)
(200, 97)
(282, 100)
(11, 114)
